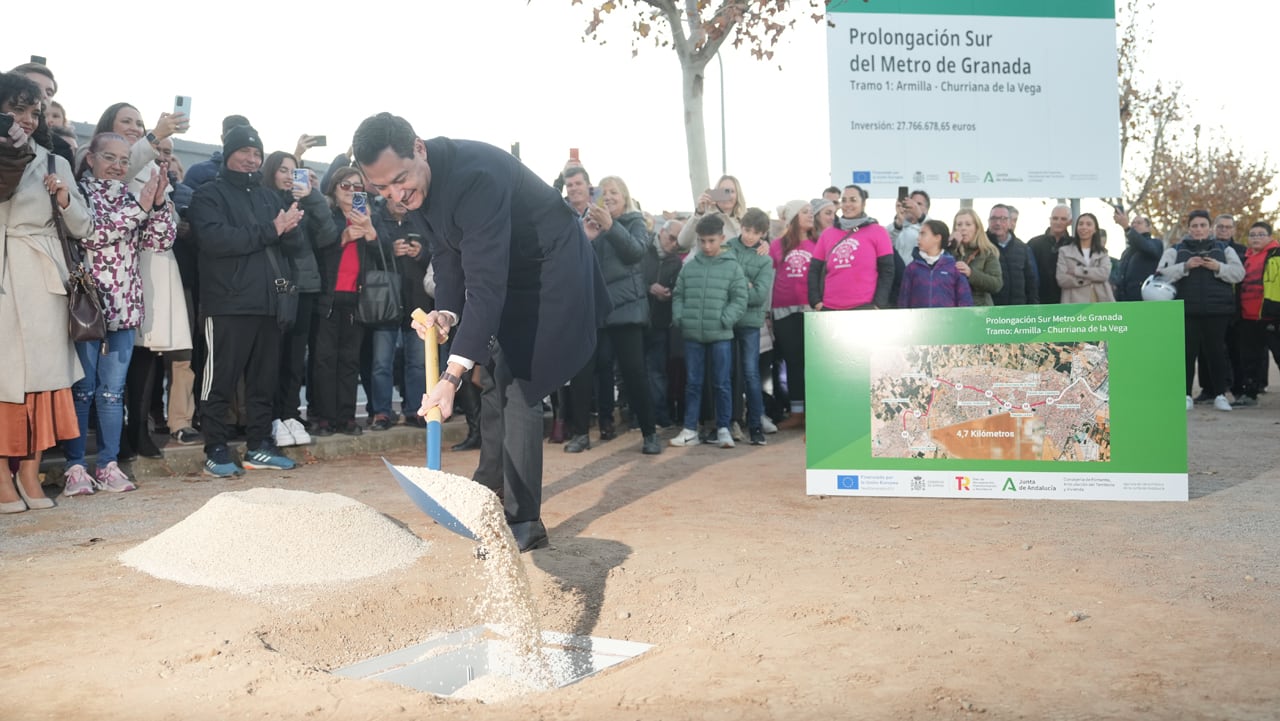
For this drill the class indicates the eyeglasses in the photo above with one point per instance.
(110, 159)
(348, 185)
(1259, 234)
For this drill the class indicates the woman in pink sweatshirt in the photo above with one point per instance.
(792, 254)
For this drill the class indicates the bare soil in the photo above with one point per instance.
(762, 602)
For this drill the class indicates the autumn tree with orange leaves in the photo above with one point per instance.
(1164, 173)
(696, 29)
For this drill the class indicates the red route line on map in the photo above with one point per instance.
(933, 394)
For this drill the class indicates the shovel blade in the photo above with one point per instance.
(428, 504)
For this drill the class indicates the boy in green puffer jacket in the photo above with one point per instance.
(758, 270)
(710, 298)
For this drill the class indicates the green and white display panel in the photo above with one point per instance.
(975, 98)
(1077, 402)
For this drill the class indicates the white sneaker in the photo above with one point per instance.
(735, 430)
(1221, 403)
(281, 434)
(686, 437)
(300, 435)
(767, 425)
(78, 480)
(1191, 403)
(113, 480)
(724, 438)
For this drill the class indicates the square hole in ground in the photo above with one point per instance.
(479, 663)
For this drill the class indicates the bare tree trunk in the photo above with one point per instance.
(694, 129)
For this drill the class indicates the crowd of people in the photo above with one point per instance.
(230, 287)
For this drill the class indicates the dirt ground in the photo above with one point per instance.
(762, 602)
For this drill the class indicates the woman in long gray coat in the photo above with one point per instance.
(39, 361)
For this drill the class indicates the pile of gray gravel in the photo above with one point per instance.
(263, 538)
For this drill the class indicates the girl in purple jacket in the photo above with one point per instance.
(931, 279)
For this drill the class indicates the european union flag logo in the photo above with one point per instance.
(862, 176)
(847, 483)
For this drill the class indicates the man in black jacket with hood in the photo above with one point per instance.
(239, 227)
(514, 272)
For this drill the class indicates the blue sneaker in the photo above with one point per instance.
(218, 463)
(267, 458)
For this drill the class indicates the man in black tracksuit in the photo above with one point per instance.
(239, 228)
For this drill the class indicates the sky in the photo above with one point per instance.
(504, 71)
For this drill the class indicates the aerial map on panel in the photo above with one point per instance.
(1025, 401)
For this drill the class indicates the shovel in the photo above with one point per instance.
(420, 497)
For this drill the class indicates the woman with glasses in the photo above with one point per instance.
(335, 358)
(123, 226)
(166, 327)
(37, 357)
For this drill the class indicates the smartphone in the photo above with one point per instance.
(360, 203)
(1119, 208)
(6, 122)
(302, 179)
(903, 193)
(597, 197)
(182, 104)
(719, 194)
(39, 59)
(319, 141)
(573, 155)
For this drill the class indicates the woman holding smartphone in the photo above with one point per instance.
(335, 365)
(123, 227)
(281, 173)
(166, 325)
(725, 199)
(618, 235)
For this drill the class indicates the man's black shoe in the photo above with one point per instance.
(530, 535)
(470, 443)
(578, 444)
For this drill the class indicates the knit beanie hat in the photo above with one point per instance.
(241, 136)
(788, 211)
(819, 203)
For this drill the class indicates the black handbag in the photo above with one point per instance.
(378, 298)
(286, 295)
(86, 320)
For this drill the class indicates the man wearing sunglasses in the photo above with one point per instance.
(514, 272)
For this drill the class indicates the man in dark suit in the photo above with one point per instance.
(513, 272)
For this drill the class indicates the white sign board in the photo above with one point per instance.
(975, 98)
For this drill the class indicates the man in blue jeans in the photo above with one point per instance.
(758, 270)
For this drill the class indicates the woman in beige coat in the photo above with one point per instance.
(1084, 267)
(36, 354)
